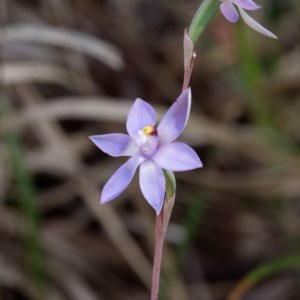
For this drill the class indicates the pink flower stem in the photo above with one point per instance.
(189, 59)
(159, 241)
(162, 221)
(187, 78)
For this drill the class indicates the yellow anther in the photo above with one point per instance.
(149, 130)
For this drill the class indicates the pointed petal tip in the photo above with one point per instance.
(106, 196)
(103, 199)
(119, 181)
(197, 164)
(139, 100)
(273, 36)
(255, 25)
(187, 96)
(190, 95)
(175, 119)
(189, 91)
(177, 157)
(92, 138)
(247, 4)
(115, 144)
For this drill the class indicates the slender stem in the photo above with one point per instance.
(189, 57)
(159, 241)
(187, 75)
(162, 221)
(204, 14)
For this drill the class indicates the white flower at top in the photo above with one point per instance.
(232, 9)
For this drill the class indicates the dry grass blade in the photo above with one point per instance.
(12, 276)
(200, 130)
(58, 251)
(4, 173)
(74, 285)
(270, 181)
(81, 42)
(27, 72)
(58, 248)
(89, 108)
(8, 275)
(107, 217)
(117, 232)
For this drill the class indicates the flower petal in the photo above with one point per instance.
(175, 119)
(255, 25)
(229, 12)
(119, 181)
(153, 184)
(246, 4)
(177, 157)
(115, 144)
(141, 114)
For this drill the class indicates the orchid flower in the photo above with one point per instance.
(231, 9)
(151, 148)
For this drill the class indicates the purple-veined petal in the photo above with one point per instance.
(255, 25)
(115, 144)
(140, 115)
(177, 157)
(246, 4)
(175, 119)
(229, 12)
(153, 184)
(119, 181)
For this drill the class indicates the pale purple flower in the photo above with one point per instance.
(231, 9)
(152, 148)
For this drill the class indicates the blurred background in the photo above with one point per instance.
(72, 68)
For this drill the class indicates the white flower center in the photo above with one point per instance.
(148, 143)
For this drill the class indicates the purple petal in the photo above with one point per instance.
(141, 114)
(153, 184)
(255, 25)
(119, 181)
(115, 144)
(177, 157)
(229, 12)
(175, 119)
(246, 4)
